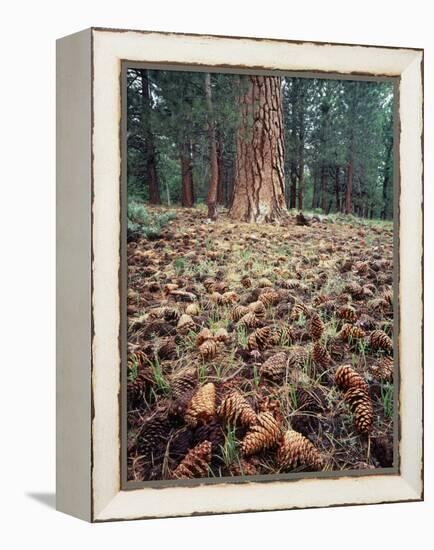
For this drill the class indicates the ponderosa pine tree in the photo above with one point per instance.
(259, 185)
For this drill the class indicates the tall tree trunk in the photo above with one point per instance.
(222, 177)
(259, 187)
(213, 184)
(301, 161)
(337, 196)
(149, 147)
(386, 178)
(324, 189)
(187, 191)
(293, 190)
(349, 188)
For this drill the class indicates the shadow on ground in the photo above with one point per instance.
(47, 499)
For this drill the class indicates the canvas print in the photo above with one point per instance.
(260, 289)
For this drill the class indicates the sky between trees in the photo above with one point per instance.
(260, 145)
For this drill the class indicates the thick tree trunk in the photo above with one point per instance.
(149, 147)
(213, 184)
(259, 187)
(187, 191)
(386, 178)
(301, 164)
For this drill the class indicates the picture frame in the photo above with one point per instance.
(90, 278)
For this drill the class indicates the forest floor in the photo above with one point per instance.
(235, 335)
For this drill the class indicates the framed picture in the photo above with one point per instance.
(239, 267)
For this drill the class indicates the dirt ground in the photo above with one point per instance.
(231, 322)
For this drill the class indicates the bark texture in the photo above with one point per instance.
(149, 147)
(214, 173)
(259, 189)
(187, 195)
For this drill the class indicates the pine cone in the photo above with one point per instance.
(221, 335)
(208, 350)
(185, 323)
(183, 382)
(195, 463)
(384, 370)
(315, 327)
(262, 435)
(346, 377)
(347, 313)
(137, 387)
(355, 290)
(320, 355)
(257, 308)
(259, 339)
(209, 285)
(212, 432)
(204, 334)
(379, 340)
(136, 359)
(264, 282)
(298, 357)
(238, 312)
(297, 451)
(243, 467)
(274, 367)
(361, 406)
(168, 350)
(235, 407)
(246, 281)
(337, 349)
(230, 297)
(154, 433)
(269, 298)
(192, 309)
(202, 405)
(249, 320)
(298, 310)
(348, 333)
(217, 298)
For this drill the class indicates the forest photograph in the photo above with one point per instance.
(260, 290)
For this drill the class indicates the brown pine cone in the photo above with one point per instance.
(355, 290)
(348, 333)
(262, 435)
(346, 377)
(383, 370)
(257, 308)
(195, 463)
(208, 350)
(217, 298)
(361, 406)
(137, 386)
(230, 297)
(296, 451)
(209, 285)
(204, 334)
(136, 360)
(337, 349)
(269, 298)
(320, 355)
(264, 282)
(243, 467)
(235, 407)
(347, 313)
(238, 312)
(298, 357)
(298, 310)
(185, 323)
(168, 349)
(379, 340)
(183, 382)
(315, 327)
(212, 432)
(274, 367)
(249, 320)
(246, 281)
(259, 339)
(221, 335)
(154, 433)
(202, 406)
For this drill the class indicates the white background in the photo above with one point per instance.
(27, 400)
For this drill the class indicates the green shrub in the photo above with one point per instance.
(142, 222)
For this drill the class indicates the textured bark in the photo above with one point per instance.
(149, 147)
(301, 160)
(213, 184)
(324, 189)
(222, 178)
(259, 195)
(293, 189)
(337, 196)
(187, 191)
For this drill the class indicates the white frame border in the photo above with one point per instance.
(109, 48)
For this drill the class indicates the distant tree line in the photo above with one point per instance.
(260, 144)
